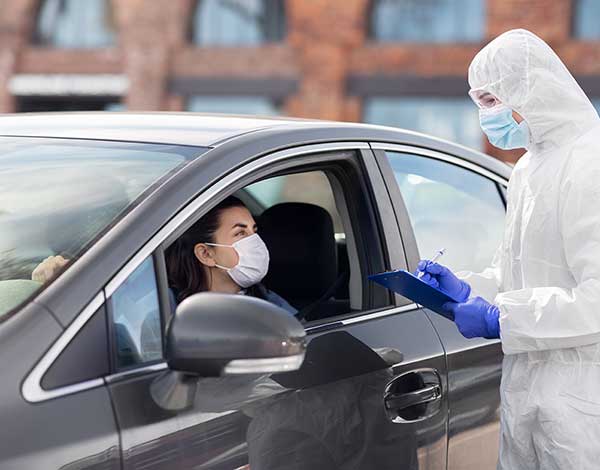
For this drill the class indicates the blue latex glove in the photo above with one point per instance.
(441, 277)
(476, 318)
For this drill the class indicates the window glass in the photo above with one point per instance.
(450, 207)
(454, 119)
(238, 22)
(260, 105)
(58, 195)
(136, 318)
(75, 24)
(586, 19)
(428, 20)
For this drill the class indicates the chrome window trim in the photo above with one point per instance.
(440, 156)
(381, 314)
(365, 317)
(156, 367)
(32, 389)
(217, 188)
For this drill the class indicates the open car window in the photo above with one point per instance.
(57, 196)
(319, 224)
(305, 235)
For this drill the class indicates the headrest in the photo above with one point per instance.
(15, 291)
(301, 243)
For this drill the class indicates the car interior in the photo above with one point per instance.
(309, 237)
(309, 259)
(323, 243)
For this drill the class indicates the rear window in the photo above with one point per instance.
(57, 196)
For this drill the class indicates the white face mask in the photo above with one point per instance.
(253, 261)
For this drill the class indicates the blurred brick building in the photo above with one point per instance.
(394, 62)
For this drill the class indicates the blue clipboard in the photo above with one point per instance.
(410, 286)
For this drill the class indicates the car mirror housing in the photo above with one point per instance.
(223, 334)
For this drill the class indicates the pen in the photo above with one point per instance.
(437, 256)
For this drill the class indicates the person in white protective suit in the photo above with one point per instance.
(541, 295)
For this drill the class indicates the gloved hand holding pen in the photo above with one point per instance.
(440, 277)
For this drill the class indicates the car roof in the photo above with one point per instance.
(197, 129)
(217, 130)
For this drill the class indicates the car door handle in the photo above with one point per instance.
(413, 396)
(401, 401)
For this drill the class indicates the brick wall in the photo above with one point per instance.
(326, 43)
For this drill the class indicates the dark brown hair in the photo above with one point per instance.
(186, 274)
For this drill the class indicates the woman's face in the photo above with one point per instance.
(235, 223)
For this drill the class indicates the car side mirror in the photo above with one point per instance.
(214, 335)
(222, 334)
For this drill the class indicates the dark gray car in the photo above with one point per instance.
(98, 372)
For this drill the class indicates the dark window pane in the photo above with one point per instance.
(260, 105)
(75, 24)
(454, 119)
(428, 20)
(238, 22)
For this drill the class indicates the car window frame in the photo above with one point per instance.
(318, 160)
(394, 252)
(404, 223)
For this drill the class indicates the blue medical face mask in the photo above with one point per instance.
(501, 128)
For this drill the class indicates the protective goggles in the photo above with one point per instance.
(483, 99)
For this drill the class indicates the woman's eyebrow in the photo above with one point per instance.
(242, 225)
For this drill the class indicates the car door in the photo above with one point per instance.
(456, 204)
(372, 392)
(56, 410)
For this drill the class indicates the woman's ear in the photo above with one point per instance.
(204, 255)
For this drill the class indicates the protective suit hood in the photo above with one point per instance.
(526, 74)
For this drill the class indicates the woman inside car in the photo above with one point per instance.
(221, 252)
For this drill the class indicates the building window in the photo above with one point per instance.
(74, 24)
(237, 22)
(586, 19)
(260, 105)
(34, 104)
(427, 20)
(454, 119)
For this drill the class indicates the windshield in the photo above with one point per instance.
(58, 195)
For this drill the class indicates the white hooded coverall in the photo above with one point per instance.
(545, 278)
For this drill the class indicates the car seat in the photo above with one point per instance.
(304, 261)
